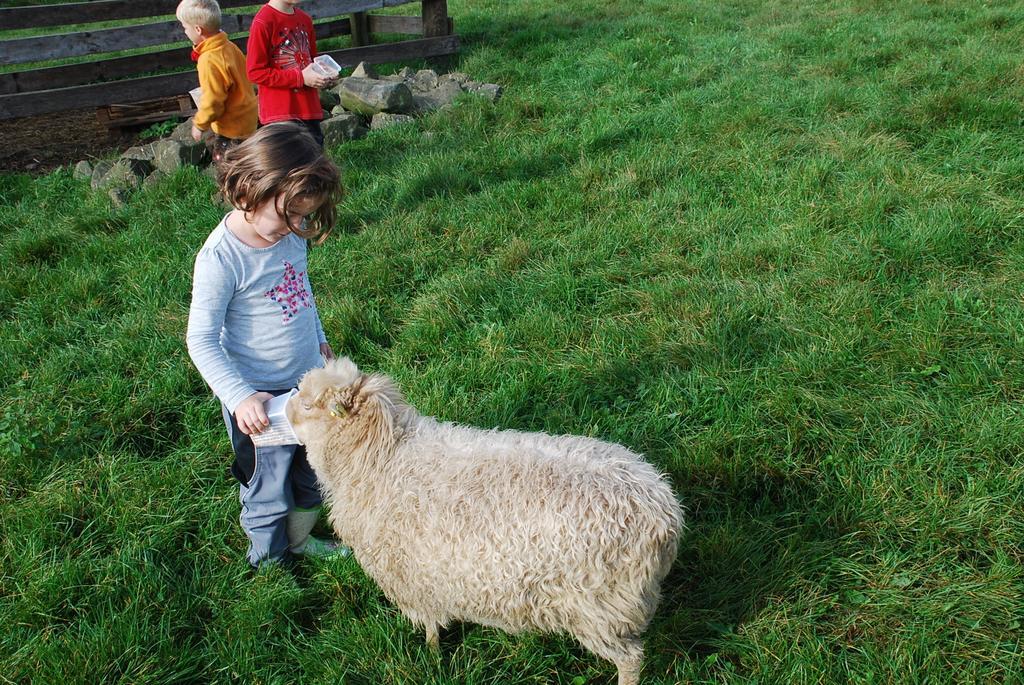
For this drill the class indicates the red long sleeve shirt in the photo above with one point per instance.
(280, 47)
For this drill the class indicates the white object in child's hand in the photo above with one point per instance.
(196, 94)
(279, 432)
(326, 66)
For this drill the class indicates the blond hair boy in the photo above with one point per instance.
(227, 105)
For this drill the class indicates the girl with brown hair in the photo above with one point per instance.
(253, 327)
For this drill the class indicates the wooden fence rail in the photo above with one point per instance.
(39, 16)
(105, 81)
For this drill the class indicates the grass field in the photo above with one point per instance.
(776, 247)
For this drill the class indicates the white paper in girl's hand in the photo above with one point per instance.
(279, 432)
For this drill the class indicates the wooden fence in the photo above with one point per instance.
(117, 80)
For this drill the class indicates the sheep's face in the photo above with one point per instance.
(340, 397)
(324, 397)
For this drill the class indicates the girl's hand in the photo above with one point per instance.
(326, 351)
(313, 79)
(250, 414)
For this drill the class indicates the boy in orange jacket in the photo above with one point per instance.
(228, 104)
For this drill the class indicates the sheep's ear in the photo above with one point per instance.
(342, 402)
(332, 401)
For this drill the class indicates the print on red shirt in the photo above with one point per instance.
(293, 50)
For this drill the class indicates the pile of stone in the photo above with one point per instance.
(365, 101)
(144, 164)
(359, 103)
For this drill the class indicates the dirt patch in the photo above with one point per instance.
(40, 144)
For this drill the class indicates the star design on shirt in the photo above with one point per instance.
(291, 293)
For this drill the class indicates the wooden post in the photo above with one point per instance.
(360, 29)
(435, 18)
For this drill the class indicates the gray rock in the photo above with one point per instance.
(491, 91)
(456, 76)
(329, 99)
(341, 128)
(183, 132)
(440, 97)
(126, 173)
(155, 177)
(173, 154)
(385, 119)
(118, 197)
(364, 70)
(405, 75)
(145, 152)
(424, 80)
(82, 171)
(337, 110)
(101, 169)
(367, 96)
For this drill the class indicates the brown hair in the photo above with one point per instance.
(282, 160)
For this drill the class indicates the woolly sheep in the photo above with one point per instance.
(520, 531)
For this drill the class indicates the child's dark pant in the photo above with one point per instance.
(273, 480)
(218, 146)
(313, 126)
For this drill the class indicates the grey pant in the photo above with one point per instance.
(273, 480)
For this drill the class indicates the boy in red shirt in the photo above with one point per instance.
(279, 59)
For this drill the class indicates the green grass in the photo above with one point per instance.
(773, 246)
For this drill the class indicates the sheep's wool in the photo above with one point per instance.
(521, 531)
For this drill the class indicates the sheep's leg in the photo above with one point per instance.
(433, 640)
(629, 670)
(627, 653)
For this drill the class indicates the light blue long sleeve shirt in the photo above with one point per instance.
(253, 324)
